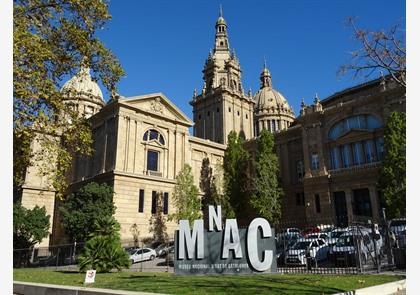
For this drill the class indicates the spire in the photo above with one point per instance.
(316, 99)
(265, 77)
(220, 11)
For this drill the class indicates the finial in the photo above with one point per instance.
(250, 92)
(265, 63)
(220, 10)
(302, 103)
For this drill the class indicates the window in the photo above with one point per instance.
(238, 113)
(154, 202)
(152, 160)
(317, 204)
(346, 155)
(380, 147)
(208, 114)
(335, 157)
(278, 124)
(358, 153)
(153, 134)
(361, 202)
(300, 199)
(273, 124)
(217, 110)
(165, 203)
(300, 171)
(141, 201)
(221, 43)
(369, 122)
(199, 117)
(268, 126)
(369, 150)
(230, 109)
(315, 162)
(246, 116)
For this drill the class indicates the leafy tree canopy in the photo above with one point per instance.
(235, 166)
(51, 40)
(81, 209)
(392, 177)
(267, 194)
(30, 226)
(186, 197)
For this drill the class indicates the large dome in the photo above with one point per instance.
(267, 99)
(83, 84)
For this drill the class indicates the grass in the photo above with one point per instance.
(245, 284)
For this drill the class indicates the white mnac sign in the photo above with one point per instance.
(224, 250)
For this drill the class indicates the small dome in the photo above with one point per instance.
(83, 84)
(221, 21)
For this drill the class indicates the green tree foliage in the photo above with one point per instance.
(235, 166)
(51, 40)
(30, 226)
(211, 192)
(158, 221)
(103, 252)
(392, 180)
(267, 193)
(81, 209)
(186, 197)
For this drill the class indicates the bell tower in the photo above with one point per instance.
(222, 105)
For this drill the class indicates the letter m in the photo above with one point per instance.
(189, 240)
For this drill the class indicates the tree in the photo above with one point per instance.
(135, 231)
(82, 208)
(158, 221)
(392, 181)
(380, 51)
(103, 252)
(235, 166)
(267, 195)
(211, 192)
(186, 197)
(51, 40)
(30, 226)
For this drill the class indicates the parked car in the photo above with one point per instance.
(307, 248)
(292, 231)
(283, 243)
(142, 254)
(344, 252)
(162, 249)
(397, 224)
(311, 230)
(171, 255)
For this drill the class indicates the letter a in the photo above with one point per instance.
(231, 230)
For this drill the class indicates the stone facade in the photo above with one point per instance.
(329, 155)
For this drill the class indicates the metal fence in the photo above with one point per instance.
(309, 246)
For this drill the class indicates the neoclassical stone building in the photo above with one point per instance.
(329, 155)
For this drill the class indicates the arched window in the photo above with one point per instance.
(355, 122)
(153, 134)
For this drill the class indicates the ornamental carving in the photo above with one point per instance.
(156, 105)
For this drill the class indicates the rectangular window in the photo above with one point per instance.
(152, 160)
(141, 201)
(273, 123)
(358, 153)
(315, 162)
(154, 202)
(268, 126)
(346, 155)
(300, 199)
(380, 148)
(317, 204)
(335, 157)
(300, 171)
(165, 203)
(361, 202)
(368, 148)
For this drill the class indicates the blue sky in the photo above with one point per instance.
(162, 45)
